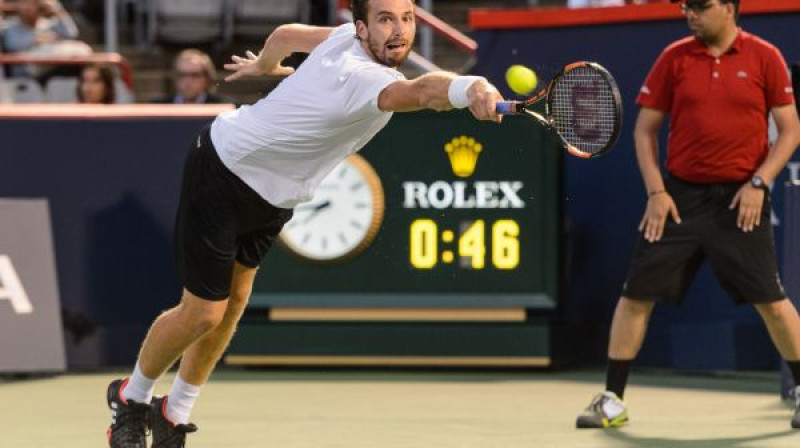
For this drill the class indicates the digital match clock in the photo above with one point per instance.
(472, 218)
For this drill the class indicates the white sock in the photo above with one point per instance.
(181, 400)
(139, 387)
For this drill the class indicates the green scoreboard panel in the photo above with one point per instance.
(468, 243)
(472, 219)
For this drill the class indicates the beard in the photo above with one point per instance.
(382, 54)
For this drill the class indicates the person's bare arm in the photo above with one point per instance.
(285, 40)
(659, 202)
(64, 26)
(749, 199)
(431, 91)
(788, 126)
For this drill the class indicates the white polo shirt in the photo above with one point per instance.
(285, 144)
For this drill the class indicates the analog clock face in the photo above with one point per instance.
(343, 217)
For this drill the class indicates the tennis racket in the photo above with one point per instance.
(582, 109)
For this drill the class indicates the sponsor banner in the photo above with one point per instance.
(31, 336)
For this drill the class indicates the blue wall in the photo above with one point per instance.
(112, 187)
(604, 198)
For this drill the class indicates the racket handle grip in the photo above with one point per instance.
(508, 107)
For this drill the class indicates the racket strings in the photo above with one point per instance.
(583, 109)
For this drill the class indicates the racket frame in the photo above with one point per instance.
(524, 108)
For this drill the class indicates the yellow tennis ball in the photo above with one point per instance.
(521, 79)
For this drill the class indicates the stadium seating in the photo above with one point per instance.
(22, 90)
(61, 90)
(186, 21)
(256, 18)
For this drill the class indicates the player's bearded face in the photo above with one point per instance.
(390, 31)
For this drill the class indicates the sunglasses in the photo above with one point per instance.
(696, 7)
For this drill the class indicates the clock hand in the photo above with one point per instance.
(313, 207)
(316, 209)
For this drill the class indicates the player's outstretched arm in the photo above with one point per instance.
(285, 40)
(442, 91)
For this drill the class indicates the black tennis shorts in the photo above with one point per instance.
(744, 263)
(220, 220)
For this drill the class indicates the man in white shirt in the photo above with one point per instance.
(244, 175)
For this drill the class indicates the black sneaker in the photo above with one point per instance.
(165, 433)
(796, 418)
(129, 419)
(605, 411)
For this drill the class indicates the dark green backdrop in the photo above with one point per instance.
(411, 149)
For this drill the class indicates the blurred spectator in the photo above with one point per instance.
(195, 78)
(593, 3)
(96, 85)
(41, 27)
(4, 97)
(1, 30)
(601, 3)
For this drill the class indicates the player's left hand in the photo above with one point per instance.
(252, 66)
(750, 201)
(483, 99)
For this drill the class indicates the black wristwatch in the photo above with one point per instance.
(758, 182)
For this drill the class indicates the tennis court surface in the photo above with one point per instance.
(366, 409)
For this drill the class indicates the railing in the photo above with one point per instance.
(461, 40)
(125, 70)
(109, 111)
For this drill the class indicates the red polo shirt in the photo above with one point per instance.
(718, 106)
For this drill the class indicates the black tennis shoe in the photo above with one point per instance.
(129, 419)
(165, 433)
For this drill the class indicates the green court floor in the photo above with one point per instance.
(364, 409)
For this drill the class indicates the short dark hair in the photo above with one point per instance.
(735, 8)
(359, 8)
(722, 2)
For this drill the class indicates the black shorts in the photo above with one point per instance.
(220, 220)
(744, 263)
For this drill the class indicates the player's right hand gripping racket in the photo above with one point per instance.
(582, 109)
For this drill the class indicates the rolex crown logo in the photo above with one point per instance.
(463, 153)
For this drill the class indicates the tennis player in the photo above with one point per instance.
(246, 172)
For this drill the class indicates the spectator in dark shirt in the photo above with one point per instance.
(195, 78)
